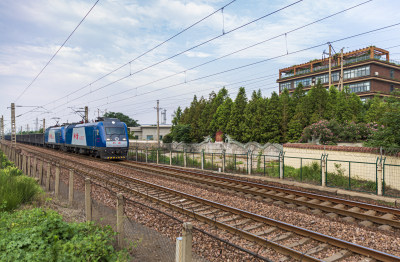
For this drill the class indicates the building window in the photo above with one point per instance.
(391, 73)
(323, 78)
(304, 82)
(356, 72)
(391, 88)
(335, 77)
(359, 87)
(286, 85)
(149, 137)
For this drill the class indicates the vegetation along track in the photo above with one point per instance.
(306, 245)
(365, 212)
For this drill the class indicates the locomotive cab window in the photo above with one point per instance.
(115, 131)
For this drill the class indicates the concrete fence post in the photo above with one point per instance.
(223, 160)
(57, 182)
(250, 164)
(48, 176)
(170, 158)
(137, 154)
(202, 159)
(88, 199)
(380, 178)
(24, 164)
(158, 156)
(29, 166)
(146, 154)
(34, 168)
(178, 250)
(323, 173)
(120, 218)
(184, 158)
(71, 187)
(187, 237)
(281, 163)
(41, 164)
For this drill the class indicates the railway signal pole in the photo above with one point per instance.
(158, 123)
(2, 128)
(13, 130)
(86, 114)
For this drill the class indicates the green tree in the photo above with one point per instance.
(222, 116)
(254, 115)
(287, 113)
(376, 108)
(273, 119)
(123, 118)
(236, 126)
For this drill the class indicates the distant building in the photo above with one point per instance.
(149, 132)
(366, 72)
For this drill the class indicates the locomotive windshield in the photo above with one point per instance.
(115, 131)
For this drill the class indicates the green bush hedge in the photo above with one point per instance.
(15, 189)
(42, 235)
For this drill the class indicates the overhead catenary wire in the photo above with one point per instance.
(54, 55)
(265, 60)
(216, 59)
(148, 51)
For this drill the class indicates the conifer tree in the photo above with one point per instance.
(236, 125)
(273, 119)
(222, 116)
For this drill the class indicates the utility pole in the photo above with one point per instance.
(341, 70)
(13, 129)
(2, 128)
(27, 127)
(330, 65)
(86, 114)
(37, 125)
(44, 125)
(158, 123)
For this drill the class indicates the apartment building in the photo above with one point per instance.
(366, 72)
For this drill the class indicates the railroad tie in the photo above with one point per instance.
(282, 237)
(252, 227)
(338, 256)
(266, 232)
(302, 241)
(317, 249)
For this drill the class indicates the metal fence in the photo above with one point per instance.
(376, 177)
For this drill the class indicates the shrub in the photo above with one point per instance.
(16, 189)
(42, 235)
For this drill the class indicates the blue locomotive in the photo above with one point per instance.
(106, 139)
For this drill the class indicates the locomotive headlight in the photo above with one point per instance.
(124, 139)
(108, 139)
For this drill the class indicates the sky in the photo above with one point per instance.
(127, 54)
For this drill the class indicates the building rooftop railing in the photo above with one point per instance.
(335, 65)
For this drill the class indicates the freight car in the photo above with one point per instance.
(106, 139)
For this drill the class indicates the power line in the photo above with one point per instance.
(175, 55)
(218, 58)
(148, 51)
(31, 83)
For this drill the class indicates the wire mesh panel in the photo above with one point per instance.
(193, 159)
(149, 234)
(266, 165)
(391, 180)
(302, 169)
(177, 158)
(350, 175)
(213, 161)
(236, 163)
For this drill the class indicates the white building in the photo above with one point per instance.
(149, 132)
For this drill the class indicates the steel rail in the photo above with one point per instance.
(195, 176)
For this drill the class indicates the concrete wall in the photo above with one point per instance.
(338, 158)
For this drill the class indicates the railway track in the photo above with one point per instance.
(333, 206)
(292, 241)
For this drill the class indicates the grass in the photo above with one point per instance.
(15, 188)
